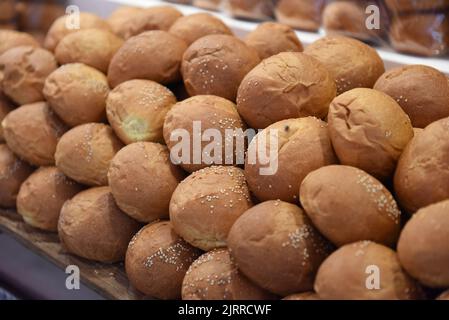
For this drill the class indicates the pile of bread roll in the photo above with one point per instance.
(362, 184)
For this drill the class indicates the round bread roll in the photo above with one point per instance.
(422, 91)
(350, 273)
(281, 156)
(42, 195)
(142, 180)
(271, 38)
(85, 152)
(423, 246)
(196, 116)
(421, 178)
(192, 27)
(68, 24)
(219, 73)
(421, 34)
(208, 4)
(32, 131)
(136, 110)
(275, 245)
(214, 276)
(153, 18)
(11, 38)
(300, 14)
(349, 18)
(94, 47)
(23, 71)
(13, 172)
(369, 130)
(206, 204)
(251, 9)
(284, 86)
(444, 295)
(352, 63)
(302, 296)
(6, 107)
(407, 6)
(131, 60)
(347, 205)
(93, 227)
(157, 260)
(77, 93)
(119, 19)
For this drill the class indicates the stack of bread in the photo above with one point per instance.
(90, 129)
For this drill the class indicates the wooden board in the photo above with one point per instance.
(109, 280)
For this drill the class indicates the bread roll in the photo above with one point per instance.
(131, 60)
(197, 116)
(351, 273)
(93, 47)
(85, 152)
(271, 38)
(208, 4)
(423, 247)
(251, 9)
(422, 91)
(157, 260)
(93, 227)
(352, 63)
(407, 6)
(275, 245)
(23, 71)
(207, 203)
(444, 295)
(77, 93)
(192, 27)
(42, 195)
(32, 131)
(369, 130)
(284, 86)
(13, 172)
(11, 38)
(302, 296)
(214, 276)
(219, 73)
(67, 24)
(6, 107)
(136, 110)
(142, 180)
(347, 205)
(421, 178)
(280, 157)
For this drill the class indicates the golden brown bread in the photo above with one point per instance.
(32, 131)
(6, 107)
(347, 205)
(287, 85)
(131, 60)
(300, 14)
(157, 260)
(422, 91)
(77, 93)
(206, 204)
(84, 153)
(23, 71)
(11, 38)
(352, 63)
(369, 130)
(136, 110)
(142, 180)
(302, 145)
(216, 64)
(13, 172)
(215, 276)
(421, 178)
(350, 273)
(93, 227)
(275, 245)
(42, 195)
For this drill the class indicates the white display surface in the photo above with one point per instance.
(392, 59)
